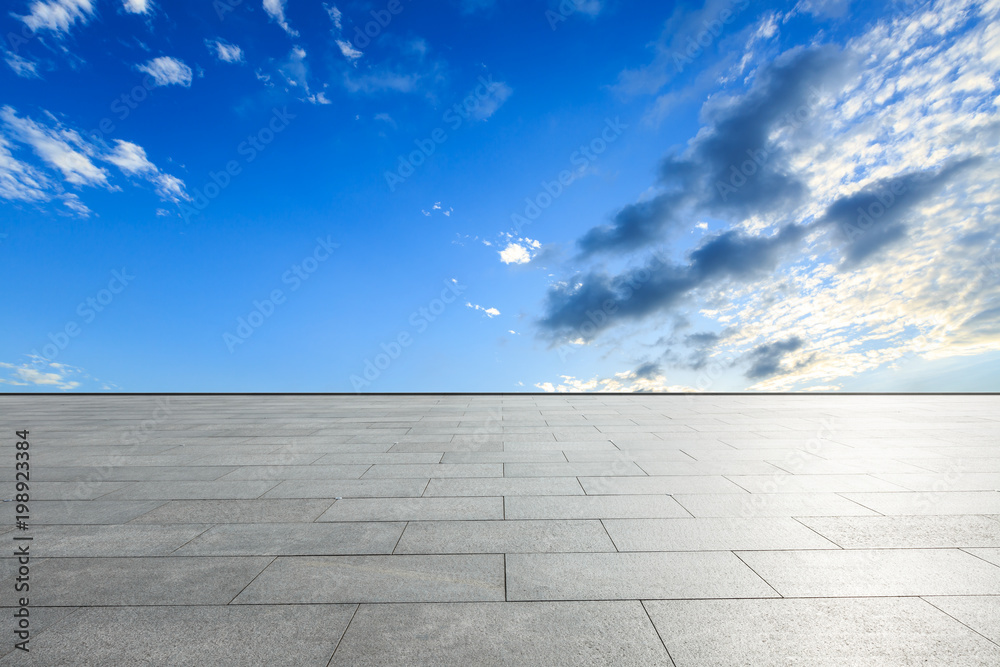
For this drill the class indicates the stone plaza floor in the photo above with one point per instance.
(505, 529)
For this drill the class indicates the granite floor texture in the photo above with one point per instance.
(505, 529)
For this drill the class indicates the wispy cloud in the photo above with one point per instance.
(489, 312)
(58, 16)
(276, 10)
(224, 51)
(167, 71)
(138, 6)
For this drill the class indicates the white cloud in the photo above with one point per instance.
(132, 160)
(50, 375)
(64, 150)
(22, 67)
(73, 203)
(494, 98)
(335, 15)
(626, 381)
(348, 50)
(489, 312)
(20, 181)
(386, 118)
(224, 51)
(167, 71)
(138, 6)
(59, 15)
(519, 251)
(276, 10)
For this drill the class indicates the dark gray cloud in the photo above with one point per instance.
(731, 170)
(878, 216)
(766, 359)
(648, 371)
(601, 301)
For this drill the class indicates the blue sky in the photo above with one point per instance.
(482, 195)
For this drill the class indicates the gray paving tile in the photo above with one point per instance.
(951, 465)
(415, 509)
(442, 447)
(565, 446)
(785, 483)
(215, 490)
(82, 490)
(981, 613)
(371, 458)
(244, 459)
(438, 470)
(349, 488)
(907, 532)
(653, 485)
(41, 619)
(724, 534)
(443, 537)
(194, 636)
(770, 504)
(126, 540)
(130, 474)
(549, 456)
(818, 633)
(846, 466)
(547, 634)
(505, 486)
(135, 581)
(279, 473)
(236, 511)
(574, 469)
(872, 572)
(294, 539)
(930, 502)
(670, 468)
(330, 579)
(81, 511)
(950, 481)
(629, 576)
(637, 455)
(988, 554)
(592, 507)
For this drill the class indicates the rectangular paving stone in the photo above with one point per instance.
(505, 486)
(785, 483)
(907, 532)
(435, 470)
(294, 539)
(549, 456)
(415, 509)
(653, 485)
(546, 634)
(236, 511)
(80, 490)
(333, 579)
(279, 473)
(980, 612)
(770, 504)
(846, 466)
(348, 488)
(948, 481)
(636, 455)
(575, 469)
(443, 537)
(874, 572)
(669, 468)
(988, 554)
(593, 507)
(876, 632)
(630, 576)
(563, 445)
(725, 534)
(188, 636)
(81, 511)
(130, 474)
(135, 581)
(124, 540)
(215, 490)
(371, 458)
(930, 502)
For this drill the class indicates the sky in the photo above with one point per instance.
(499, 196)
